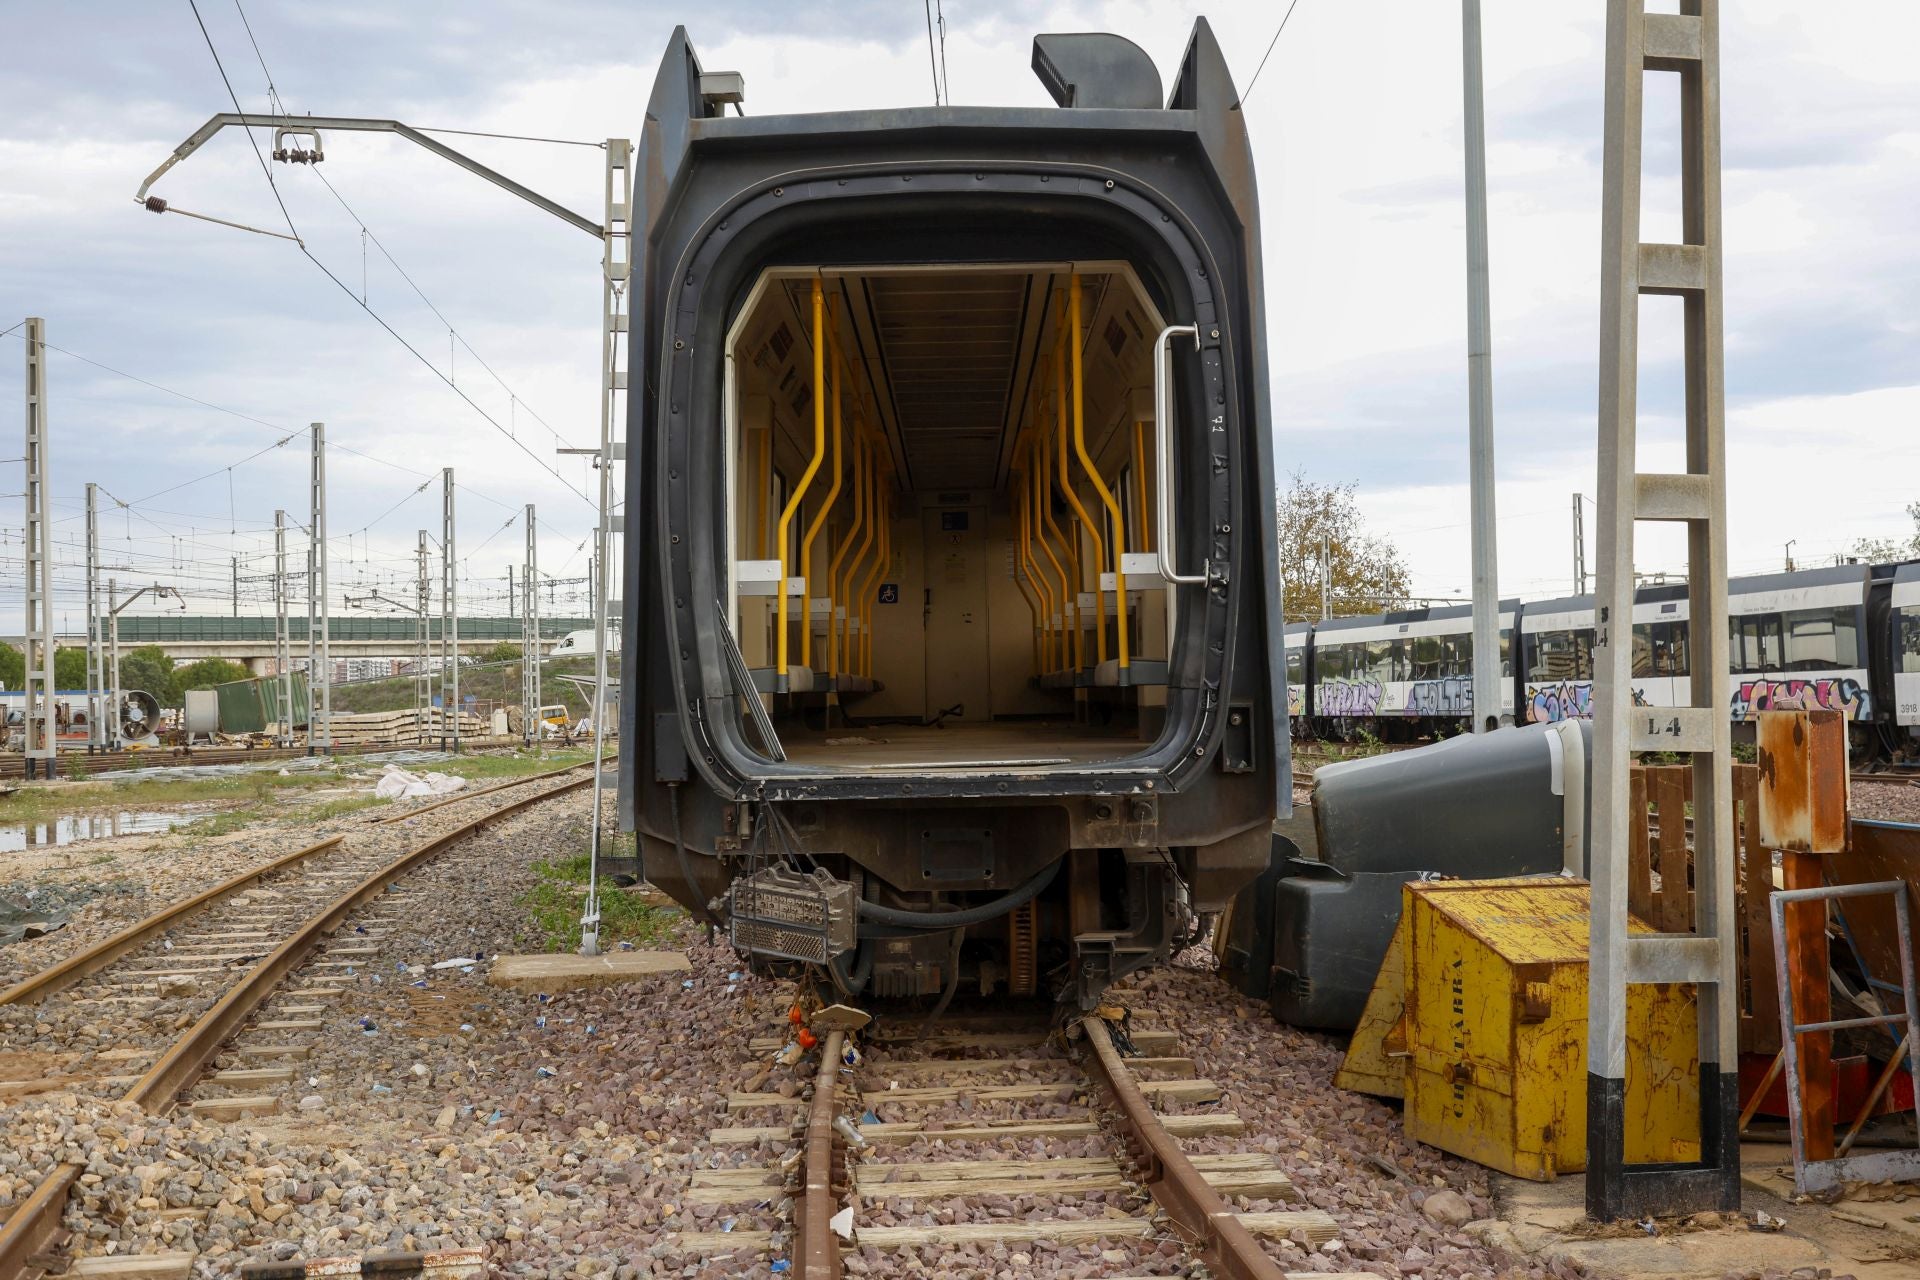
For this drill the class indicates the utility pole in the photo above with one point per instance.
(114, 606)
(422, 648)
(41, 743)
(1789, 556)
(530, 637)
(1701, 951)
(282, 644)
(1326, 576)
(1579, 546)
(235, 560)
(320, 690)
(449, 623)
(1486, 574)
(96, 733)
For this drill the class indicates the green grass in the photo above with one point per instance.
(558, 896)
(35, 803)
(341, 807)
(514, 764)
(492, 682)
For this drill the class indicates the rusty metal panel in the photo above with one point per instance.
(1803, 780)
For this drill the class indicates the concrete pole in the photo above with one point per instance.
(530, 650)
(282, 644)
(113, 664)
(96, 733)
(1579, 547)
(37, 715)
(423, 649)
(320, 690)
(449, 622)
(1486, 574)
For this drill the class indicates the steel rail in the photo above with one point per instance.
(1199, 1212)
(816, 1250)
(84, 964)
(27, 1230)
(457, 797)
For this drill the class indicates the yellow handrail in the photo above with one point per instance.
(1106, 498)
(1066, 653)
(1043, 619)
(1143, 531)
(806, 478)
(1060, 345)
(836, 634)
(820, 519)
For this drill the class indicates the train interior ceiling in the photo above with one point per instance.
(944, 466)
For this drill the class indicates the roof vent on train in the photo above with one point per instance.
(1096, 69)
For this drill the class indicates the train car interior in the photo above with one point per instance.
(941, 535)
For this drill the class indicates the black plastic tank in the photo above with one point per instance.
(1480, 806)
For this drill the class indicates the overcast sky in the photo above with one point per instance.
(1356, 128)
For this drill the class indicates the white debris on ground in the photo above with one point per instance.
(402, 784)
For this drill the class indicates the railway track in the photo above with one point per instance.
(1004, 1139)
(13, 765)
(206, 970)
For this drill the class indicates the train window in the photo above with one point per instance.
(1429, 657)
(1330, 661)
(1820, 639)
(1669, 648)
(1561, 655)
(1380, 659)
(1296, 667)
(1643, 664)
(1909, 635)
(1756, 642)
(1506, 656)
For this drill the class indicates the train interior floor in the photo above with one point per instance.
(946, 468)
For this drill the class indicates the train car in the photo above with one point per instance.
(1901, 630)
(1557, 654)
(953, 627)
(1403, 675)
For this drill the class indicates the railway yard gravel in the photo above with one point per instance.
(437, 1111)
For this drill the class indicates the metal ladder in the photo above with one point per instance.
(1686, 43)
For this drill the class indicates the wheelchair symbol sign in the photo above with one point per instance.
(889, 593)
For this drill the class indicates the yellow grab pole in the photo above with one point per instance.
(1042, 626)
(1143, 530)
(1060, 391)
(1067, 652)
(806, 478)
(835, 632)
(1106, 499)
(819, 522)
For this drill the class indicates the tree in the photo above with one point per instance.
(503, 651)
(13, 667)
(70, 668)
(1882, 550)
(1367, 575)
(148, 668)
(209, 672)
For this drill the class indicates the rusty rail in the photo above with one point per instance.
(1196, 1210)
(816, 1253)
(28, 1229)
(86, 963)
(458, 796)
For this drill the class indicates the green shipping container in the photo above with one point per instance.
(249, 706)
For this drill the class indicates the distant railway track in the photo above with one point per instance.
(248, 935)
(1114, 1103)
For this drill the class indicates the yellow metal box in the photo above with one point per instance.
(1496, 1031)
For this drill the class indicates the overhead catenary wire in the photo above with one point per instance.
(1246, 92)
(347, 289)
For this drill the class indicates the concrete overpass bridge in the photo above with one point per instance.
(249, 640)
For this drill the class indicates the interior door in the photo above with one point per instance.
(959, 668)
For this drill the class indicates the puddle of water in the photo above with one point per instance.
(74, 828)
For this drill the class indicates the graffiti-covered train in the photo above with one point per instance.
(952, 633)
(1845, 638)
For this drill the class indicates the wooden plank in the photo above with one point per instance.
(31, 1064)
(244, 1104)
(317, 991)
(137, 1266)
(1149, 1042)
(62, 1084)
(552, 974)
(1318, 1227)
(1055, 1178)
(1639, 851)
(1183, 1090)
(1668, 789)
(1179, 1126)
(290, 1024)
(275, 1050)
(968, 1066)
(256, 1076)
(301, 1010)
(1370, 1067)
(1805, 926)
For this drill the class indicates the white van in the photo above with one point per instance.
(581, 642)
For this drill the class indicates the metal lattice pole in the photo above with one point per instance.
(422, 645)
(1686, 43)
(1486, 571)
(1579, 546)
(282, 641)
(96, 732)
(37, 632)
(113, 664)
(320, 686)
(449, 623)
